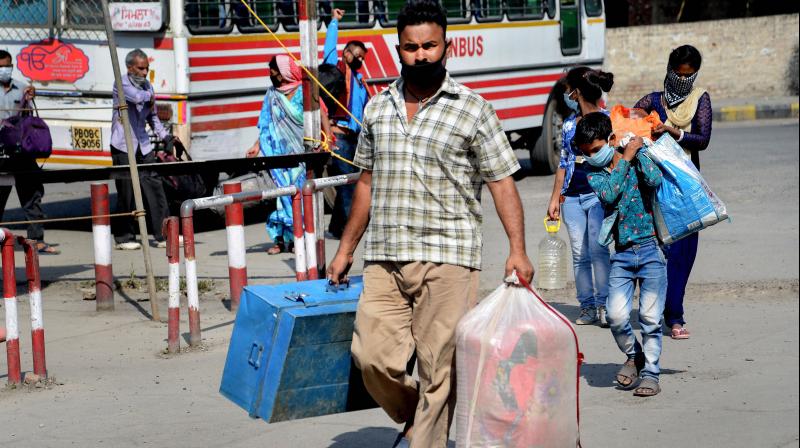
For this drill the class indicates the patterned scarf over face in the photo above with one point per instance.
(290, 72)
(677, 88)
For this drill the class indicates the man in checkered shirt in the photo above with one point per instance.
(427, 146)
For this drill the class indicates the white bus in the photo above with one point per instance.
(209, 63)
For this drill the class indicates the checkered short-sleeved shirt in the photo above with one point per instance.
(427, 175)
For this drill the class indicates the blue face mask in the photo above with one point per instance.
(572, 104)
(601, 158)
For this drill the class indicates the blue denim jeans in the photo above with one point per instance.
(583, 216)
(646, 264)
(344, 194)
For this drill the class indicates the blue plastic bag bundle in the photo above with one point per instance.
(683, 203)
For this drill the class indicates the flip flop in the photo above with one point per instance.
(276, 249)
(648, 387)
(46, 249)
(679, 333)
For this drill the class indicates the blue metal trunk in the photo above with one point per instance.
(289, 355)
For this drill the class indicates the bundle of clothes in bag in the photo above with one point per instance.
(517, 370)
(684, 203)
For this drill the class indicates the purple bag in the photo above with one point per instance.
(26, 135)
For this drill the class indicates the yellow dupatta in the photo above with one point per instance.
(681, 116)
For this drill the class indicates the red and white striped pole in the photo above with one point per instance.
(171, 231)
(10, 303)
(319, 223)
(234, 228)
(310, 234)
(192, 294)
(35, 297)
(101, 233)
(299, 241)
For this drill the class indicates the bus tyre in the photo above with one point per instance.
(546, 152)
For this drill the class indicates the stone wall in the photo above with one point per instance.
(742, 58)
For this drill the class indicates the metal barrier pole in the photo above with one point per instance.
(301, 274)
(313, 189)
(10, 302)
(310, 233)
(192, 295)
(234, 229)
(187, 223)
(319, 214)
(171, 231)
(137, 190)
(35, 297)
(101, 233)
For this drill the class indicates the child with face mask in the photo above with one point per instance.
(622, 182)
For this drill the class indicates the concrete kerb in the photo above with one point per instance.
(730, 110)
(748, 112)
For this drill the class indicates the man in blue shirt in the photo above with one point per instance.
(344, 126)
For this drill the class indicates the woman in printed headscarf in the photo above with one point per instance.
(686, 113)
(280, 128)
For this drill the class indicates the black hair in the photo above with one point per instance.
(593, 126)
(592, 83)
(421, 11)
(356, 43)
(6, 55)
(685, 54)
(273, 63)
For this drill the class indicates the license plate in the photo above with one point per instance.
(87, 139)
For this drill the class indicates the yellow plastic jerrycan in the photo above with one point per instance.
(552, 272)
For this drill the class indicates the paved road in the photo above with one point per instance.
(733, 384)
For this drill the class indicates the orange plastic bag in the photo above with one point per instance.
(636, 121)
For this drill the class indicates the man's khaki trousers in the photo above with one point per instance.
(408, 308)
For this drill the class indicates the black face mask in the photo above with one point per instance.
(426, 74)
(275, 81)
(355, 65)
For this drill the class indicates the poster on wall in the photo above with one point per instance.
(136, 16)
(53, 60)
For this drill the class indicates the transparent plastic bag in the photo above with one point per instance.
(517, 369)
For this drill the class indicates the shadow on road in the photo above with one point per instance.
(604, 375)
(373, 436)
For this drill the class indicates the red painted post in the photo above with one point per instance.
(310, 234)
(319, 215)
(234, 229)
(35, 297)
(10, 303)
(192, 294)
(171, 231)
(101, 233)
(299, 240)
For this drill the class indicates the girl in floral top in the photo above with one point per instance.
(618, 180)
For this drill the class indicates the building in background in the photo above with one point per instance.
(620, 13)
